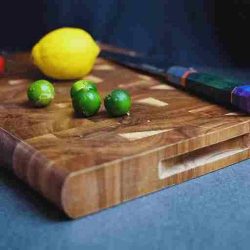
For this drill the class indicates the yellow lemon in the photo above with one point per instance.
(65, 53)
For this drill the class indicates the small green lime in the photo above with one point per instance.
(41, 93)
(86, 103)
(82, 84)
(118, 102)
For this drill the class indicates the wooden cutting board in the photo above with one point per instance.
(85, 165)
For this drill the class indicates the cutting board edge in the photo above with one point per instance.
(121, 181)
(37, 171)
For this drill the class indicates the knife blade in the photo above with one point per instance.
(215, 88)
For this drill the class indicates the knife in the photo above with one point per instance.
(219, 89)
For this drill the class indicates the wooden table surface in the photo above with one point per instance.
(86, 164)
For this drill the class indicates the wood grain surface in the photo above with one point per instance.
(84, 165)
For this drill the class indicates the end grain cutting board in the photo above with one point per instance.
(85, 165)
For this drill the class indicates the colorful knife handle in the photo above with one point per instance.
(221, 90)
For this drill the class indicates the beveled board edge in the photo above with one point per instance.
(31, 166)
(91, 190)
(88, 191)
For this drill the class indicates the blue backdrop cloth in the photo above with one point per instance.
(200, 32)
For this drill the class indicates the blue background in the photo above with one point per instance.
(200, 32)
(210, 212)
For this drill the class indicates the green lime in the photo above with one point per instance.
(41, 93)
(118, 102)
(82, 84)
(86, 103)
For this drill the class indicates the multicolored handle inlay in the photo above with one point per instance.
(221, 90)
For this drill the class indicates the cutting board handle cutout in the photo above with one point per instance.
(204, 156)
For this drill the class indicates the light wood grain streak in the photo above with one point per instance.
(139, 135)
(141, 83)
(93, 78)
(152, 101)
(104, 67)
(162, 87)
